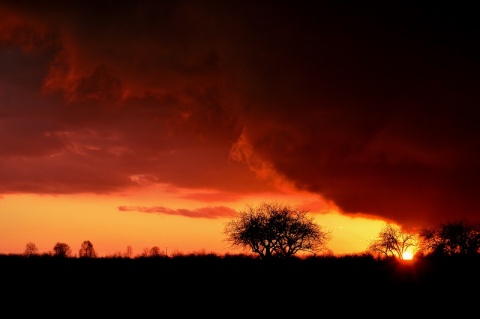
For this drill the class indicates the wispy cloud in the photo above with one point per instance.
(205, 212)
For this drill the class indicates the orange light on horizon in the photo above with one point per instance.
(45, 220)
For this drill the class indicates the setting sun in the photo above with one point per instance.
(407, 255)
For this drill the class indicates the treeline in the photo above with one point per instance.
(454, 238)
(62, 249)
(277, 231)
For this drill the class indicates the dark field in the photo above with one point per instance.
(232, 286)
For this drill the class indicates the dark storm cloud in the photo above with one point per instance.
(372, 105)
(95, 95)
(375, 107)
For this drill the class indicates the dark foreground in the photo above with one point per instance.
(233, 286)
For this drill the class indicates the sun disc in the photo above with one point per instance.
(407, 255)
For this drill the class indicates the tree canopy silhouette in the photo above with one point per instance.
(62, 250)
(451, 238)
(87, 250)
(276, 230)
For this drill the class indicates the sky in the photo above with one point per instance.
(153, 123)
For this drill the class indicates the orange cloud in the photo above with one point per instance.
(205, 212)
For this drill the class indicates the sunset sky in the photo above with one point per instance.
(152, 123)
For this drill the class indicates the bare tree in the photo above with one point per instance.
(31, 249)
(451, 238)
(276, 230)
(393, 242)
(87, 250)
(62, 250)
(128, 252)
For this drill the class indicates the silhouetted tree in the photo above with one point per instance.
(393, 242)
(155, 252)
(62, 250)
(276, 230)
(87, 250)
(128, 252)
(31, 249)
(451, 238)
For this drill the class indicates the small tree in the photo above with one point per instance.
(276, 230)
(392, 242)
(155, 252)
(451, 238)
(31, 249)
(87, 250)
(62, 250)
(128, 252)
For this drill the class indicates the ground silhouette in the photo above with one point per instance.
(239, 284)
